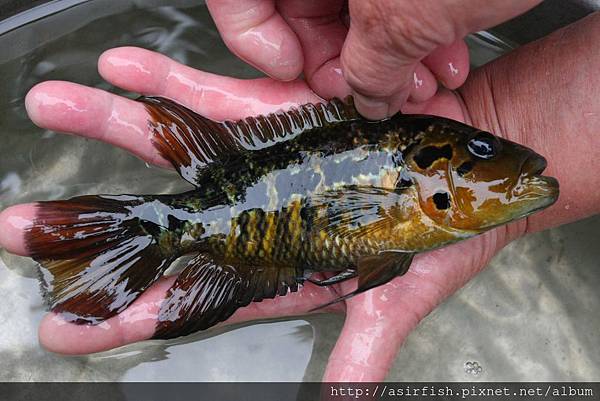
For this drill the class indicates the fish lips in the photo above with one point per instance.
(534, 165)
(537, 190)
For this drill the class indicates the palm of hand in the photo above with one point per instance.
(376, 322)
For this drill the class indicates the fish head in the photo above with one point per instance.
(471, 180)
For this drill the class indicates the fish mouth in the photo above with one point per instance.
(535, 190)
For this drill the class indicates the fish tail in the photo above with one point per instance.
(97, 254)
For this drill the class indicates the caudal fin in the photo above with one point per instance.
(96, 254)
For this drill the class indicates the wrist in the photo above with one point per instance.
(544, 95)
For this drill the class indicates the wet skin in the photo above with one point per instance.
(418, 42)
(541, 123)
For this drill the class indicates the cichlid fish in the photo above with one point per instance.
(313, 189)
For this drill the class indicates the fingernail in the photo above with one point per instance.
(373, 109)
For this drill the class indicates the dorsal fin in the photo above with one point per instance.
(191, 142)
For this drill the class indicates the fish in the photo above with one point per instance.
(275, 199)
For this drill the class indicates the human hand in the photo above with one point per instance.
(379, 320)
(381, 317)
(392, 50)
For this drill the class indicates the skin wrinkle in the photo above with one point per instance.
(407, 31)
(439, 287)
(493, 106)
(422, 32)
(260, 21)
(401, 32)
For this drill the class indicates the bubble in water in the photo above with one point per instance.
(473, 368)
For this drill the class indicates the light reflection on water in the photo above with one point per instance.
(530, 316)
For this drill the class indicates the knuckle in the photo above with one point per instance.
(366, 79)
(411, 28)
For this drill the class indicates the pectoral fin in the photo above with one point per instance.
(355, 210)
(376, 270)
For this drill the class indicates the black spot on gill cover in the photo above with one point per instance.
(464, 168)
(429, 154)
(441, 200)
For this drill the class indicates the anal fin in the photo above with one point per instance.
(207, 292)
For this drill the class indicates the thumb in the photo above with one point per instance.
(387, 40)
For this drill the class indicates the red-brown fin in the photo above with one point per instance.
(206, 293)
(190, 141)
(376, 270)
(95, 257)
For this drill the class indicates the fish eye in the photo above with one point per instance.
(441, 200)
(484, 145)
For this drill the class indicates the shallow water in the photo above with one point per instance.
(531, 315)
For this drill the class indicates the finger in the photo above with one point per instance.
(444, 103)
(376, 78)
(138, 321)
(95, 114)
(424, 86)
(255, 32)
(381, 53)
(134, 324)
(378, 321)
(213, 96)
(387, 38)
(449, 64)
(321, 33)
